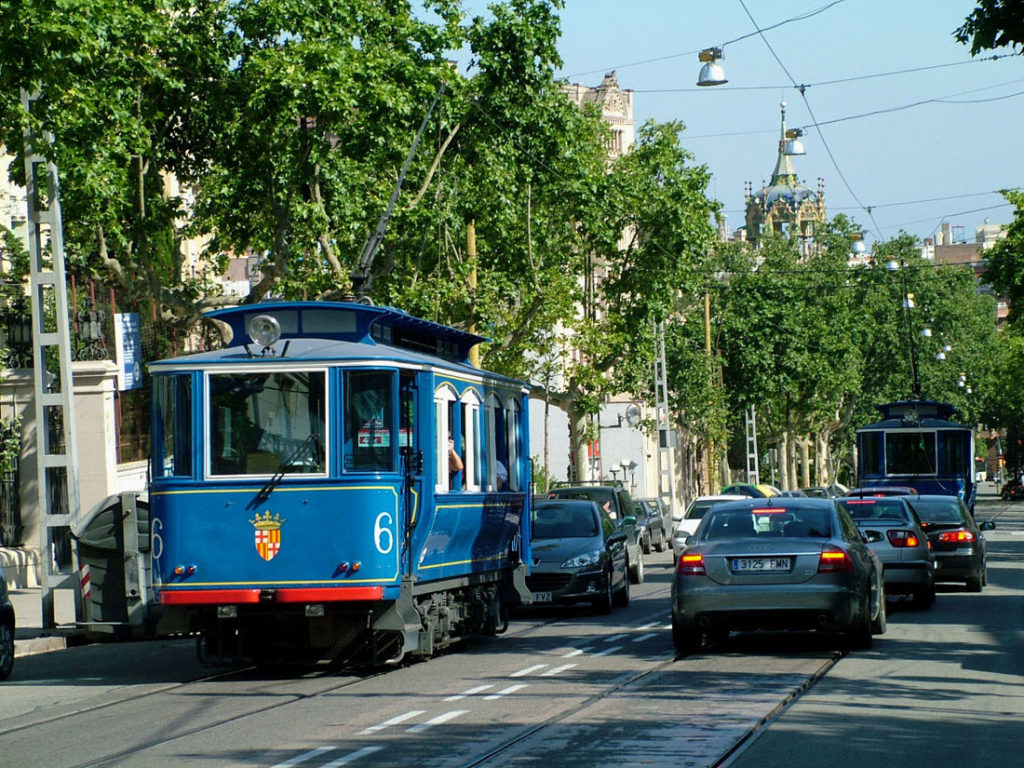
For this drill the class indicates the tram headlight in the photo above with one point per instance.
(264, 330)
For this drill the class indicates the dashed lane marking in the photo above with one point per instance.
(505, 692)
(470, 692)
(352, 757)
(299, 759)
(557, 670)
(394, 721)
(439, 720)
(528, 670)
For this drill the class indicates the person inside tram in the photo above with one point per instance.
(501, 475)
(455, 466)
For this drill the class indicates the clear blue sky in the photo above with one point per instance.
(915, 167)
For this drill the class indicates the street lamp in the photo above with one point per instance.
(711, 73)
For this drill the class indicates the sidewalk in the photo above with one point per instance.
(29, 635)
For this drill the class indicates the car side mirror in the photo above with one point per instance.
(870, 537)
(629, 520)
(616, 538)
(987, 525)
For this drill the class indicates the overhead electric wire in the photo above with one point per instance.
(803, 94)
(799, 17)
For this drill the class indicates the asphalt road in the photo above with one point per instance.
(943, 688)
(561, 687)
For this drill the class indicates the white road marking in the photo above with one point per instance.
(612, 638)
(394, 721)
(576, 652)
(557, 670)
(298, 759)
(438, 720)
(505, 692)
(641, 638)
(607, 651)
(470, 692)
(528, 670)
(351, 757)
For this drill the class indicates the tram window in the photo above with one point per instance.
(910, 453)
(444, 427)
(952, 454)
(266, 423)
(172, 433)
(871, 453)
(470, 430)
(369, 421)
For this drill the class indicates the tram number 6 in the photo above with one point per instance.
(383, 536)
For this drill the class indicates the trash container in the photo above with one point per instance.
(113, 544)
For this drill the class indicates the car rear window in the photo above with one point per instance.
(938, 511)
(767, 522)
(874, 509)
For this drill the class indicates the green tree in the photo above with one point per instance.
(993, 24)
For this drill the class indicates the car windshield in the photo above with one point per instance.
(763, 523)
(568, 521)
(874, 509)
(938, 511)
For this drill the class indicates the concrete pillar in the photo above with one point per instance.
(95, 384)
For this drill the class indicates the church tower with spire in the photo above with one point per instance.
(785, 206)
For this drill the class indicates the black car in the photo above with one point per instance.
(656, 524)
(957, 540)
(616, 501)
(579, 555)
(6, 629)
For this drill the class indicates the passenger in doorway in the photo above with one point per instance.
(501, 473)
(455, 466)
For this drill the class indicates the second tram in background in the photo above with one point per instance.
(304, 499)
(918, 444)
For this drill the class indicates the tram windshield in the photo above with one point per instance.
(910, 453)
(267, 423)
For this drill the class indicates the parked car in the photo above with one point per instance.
(6, 629)
(615, 500)
(695, 511)
(826, 491)
(958, 541)
(779, 563)
(578, 556)
(759, 491)
(895, 534)
(653, 517)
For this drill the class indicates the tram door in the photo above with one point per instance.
(413, 450)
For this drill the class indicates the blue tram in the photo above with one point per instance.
(305, 501)
(917, 444)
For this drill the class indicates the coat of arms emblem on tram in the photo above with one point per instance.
(267, 534)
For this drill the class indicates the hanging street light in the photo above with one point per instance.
(711, 73)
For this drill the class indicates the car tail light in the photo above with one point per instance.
(834, 560)
(960, 536)
(903, 538)
(691, 565)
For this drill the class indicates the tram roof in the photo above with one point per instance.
(317, 331)
(915, 413)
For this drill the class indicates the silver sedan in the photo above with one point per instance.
(777, 563)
